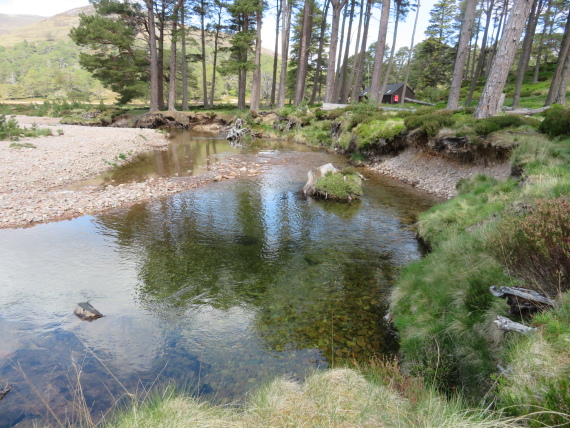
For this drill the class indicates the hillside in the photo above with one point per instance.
(10, 23)
(54, 28)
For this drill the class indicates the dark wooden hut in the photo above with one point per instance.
(393, 94)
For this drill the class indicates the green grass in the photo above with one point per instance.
(334, 398)
(346, 185)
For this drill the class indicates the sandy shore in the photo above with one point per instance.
(35, 182)
(435, 174)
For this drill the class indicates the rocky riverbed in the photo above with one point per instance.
(435, 174)
(35, 183)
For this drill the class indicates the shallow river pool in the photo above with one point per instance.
(217, 289)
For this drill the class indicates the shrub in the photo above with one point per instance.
(535, 245)
(556, 122)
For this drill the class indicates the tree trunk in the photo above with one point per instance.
(541, 43)
(342, 86)
(464, 37)
(498, 36)
(318, 72)
(481, 59)
(256, 79)
(410, 55)
(184, 62)
(391, 59)
(361, 56)
(471, 73)
(379, 55)
(242, 76)
(491, 96)
(526, 49)
(203, 48)
(557, 77)
(331, 67)
(172, 79)
(160, 40)
(153, 58)
(275, 57)
(337, 81)
(304, 47)
(285, 30)
(354, 57)
(561, 96)
(216, 37)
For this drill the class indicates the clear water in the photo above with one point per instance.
(217, 289)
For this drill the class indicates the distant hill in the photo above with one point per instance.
(41, 29)
(13, 22)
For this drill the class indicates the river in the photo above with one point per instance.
(215, 290)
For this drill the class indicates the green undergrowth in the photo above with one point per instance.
(10, 130)
(333, 398)
(491, 234)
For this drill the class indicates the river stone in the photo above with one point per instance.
(87, 312)
(314, 175)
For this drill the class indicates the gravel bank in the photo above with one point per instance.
(435, 174)
(34, 183)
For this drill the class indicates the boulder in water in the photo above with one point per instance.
(87, 312)
(330, 183)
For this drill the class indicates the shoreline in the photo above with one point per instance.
(34, 182)
(434, 174)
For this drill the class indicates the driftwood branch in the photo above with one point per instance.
(424, 103)
(506, 324)
(525, 111)
(237, 131)
(522, 293)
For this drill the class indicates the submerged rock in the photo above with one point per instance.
(87, 312)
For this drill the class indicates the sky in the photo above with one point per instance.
(53, 7)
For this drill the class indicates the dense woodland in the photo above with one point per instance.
(215, 50)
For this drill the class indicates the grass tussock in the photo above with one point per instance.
(493, 233)
(334, 398)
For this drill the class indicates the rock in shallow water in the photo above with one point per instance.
(87, 312)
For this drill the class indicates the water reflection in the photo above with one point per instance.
(218, 288)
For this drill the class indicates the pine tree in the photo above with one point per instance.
(242, 25)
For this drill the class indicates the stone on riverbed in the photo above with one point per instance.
(330, 183)
(87, 312)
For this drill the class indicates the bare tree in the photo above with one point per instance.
(464, 37)
(379, 54)
(489, 103)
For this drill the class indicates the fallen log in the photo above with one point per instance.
(525, 111)
(424, 103)
(506, 324)
(522, 299)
